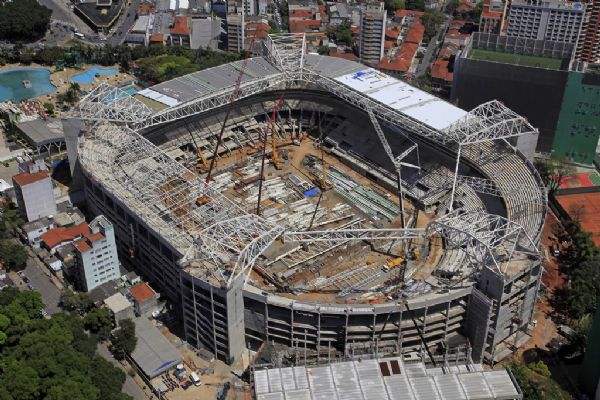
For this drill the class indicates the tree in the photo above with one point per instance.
(74, 301)
(554, 170)
(432, 19)
(478, 10)
(393, 5)
(13, 254)
(97, 319)
(42, 358)
(10, 219)
(107, 378)
(536, 383)
(49, 107)
(23, 20)
(341, 33)
(124, 339)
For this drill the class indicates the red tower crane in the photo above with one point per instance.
(232, 100)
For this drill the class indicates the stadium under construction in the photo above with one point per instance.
(319, 206)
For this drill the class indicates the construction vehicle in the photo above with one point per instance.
(394, 262)
(414, 254)
(274, 156)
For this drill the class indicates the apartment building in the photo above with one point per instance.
(553, 20)
(372, 33)
(35, 194)
(588, 45)
(96, 253)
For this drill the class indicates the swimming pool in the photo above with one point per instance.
(12, 88)
(88, 76)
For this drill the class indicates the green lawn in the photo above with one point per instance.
(530, 61)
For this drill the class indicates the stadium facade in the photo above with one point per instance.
(241, 280)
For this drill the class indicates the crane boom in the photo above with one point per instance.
(262, 165)
(198, 150)
(232, 100)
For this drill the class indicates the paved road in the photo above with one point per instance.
(130, 386)
(125, 23)
(40, 280)
(432, 48)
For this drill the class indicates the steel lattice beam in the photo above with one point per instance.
(486, 238)
(335, 235)
(489, 121)
(109, 103)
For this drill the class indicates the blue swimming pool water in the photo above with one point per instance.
(88, 76)
(12, 88)
(128, 91)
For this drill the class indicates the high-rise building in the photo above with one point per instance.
(97, 260)
(588, 46)
(235, 32)
(35, 194)
(372, 33)
(554, 20)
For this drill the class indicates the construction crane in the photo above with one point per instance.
(323, 183)
(262, 163)
(203, 161)
(232, 100)
(274, 155)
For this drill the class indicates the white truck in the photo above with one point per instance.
(195, 379)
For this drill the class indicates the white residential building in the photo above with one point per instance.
(35, 194)
(97, 260)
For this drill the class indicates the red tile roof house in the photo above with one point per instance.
(61, 236)
(145, 300)
(180, 32)
(399, 63)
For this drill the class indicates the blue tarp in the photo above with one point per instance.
(311, 192)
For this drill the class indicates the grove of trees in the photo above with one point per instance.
(23, 20)
(50, 358)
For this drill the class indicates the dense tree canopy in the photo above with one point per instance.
(123, 339)
(393, 5)
(341, 33)
(536, 383)
(50, 359)
(25, 20)
(13, 254)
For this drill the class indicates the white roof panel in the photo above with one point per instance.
(403, 97)
(364, 380)
(159, 97)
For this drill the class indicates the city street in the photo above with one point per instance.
(124, 23)
(432, 48)
(40, 281)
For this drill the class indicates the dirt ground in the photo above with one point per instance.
(210, 382)
(552, 279)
